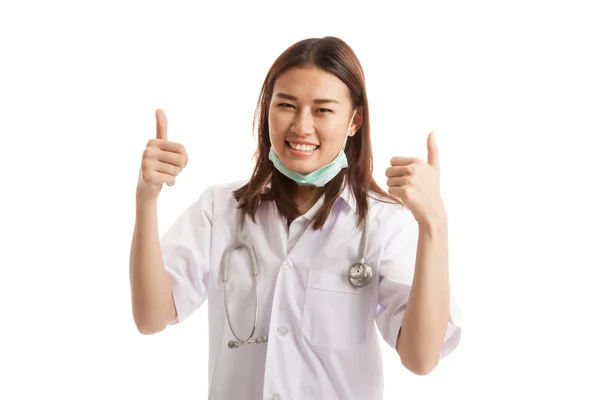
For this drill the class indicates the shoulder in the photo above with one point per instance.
(220, 195)
(222, 191)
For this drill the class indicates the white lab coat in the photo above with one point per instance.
(323, 341)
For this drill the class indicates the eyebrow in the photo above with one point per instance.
(316, 101)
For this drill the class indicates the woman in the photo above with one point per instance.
(303, 211)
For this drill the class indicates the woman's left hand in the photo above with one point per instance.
(417, 183)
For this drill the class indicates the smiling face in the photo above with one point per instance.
(309, 117)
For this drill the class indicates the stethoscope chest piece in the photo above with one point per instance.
(360, 274)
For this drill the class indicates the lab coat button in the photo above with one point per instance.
(282, 330)
(287, 265)
(276, 397)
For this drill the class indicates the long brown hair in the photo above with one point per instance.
(334, 56)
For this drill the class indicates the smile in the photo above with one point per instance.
(302, 147)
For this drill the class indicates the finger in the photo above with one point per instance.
(166, 168)
(164, 145)
(400, 160)
(433, 157)
(155, 146)
(185, 155)
(157, 178)
(161, 125)
(399, 171)
(398, 181)
(175, 148)
(175, 159)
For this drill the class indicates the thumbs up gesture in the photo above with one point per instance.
(162, 161)
(417, 184)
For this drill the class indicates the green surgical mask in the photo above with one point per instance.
(321, 176)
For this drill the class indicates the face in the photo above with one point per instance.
(309, 117)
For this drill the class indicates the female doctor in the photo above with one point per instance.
(303, 263)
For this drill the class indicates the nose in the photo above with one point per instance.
(303, 124)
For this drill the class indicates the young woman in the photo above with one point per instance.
(307, 260)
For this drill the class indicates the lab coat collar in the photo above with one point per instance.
(346, 196)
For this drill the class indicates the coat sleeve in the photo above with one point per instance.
(186, 255)
(396, 272)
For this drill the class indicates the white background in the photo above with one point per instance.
(511, 88)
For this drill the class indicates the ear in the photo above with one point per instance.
(357, 122)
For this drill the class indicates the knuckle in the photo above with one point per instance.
(182, 161)
(147, 153)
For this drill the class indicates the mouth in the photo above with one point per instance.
(305, 148)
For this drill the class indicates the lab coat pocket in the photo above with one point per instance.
(336, 315)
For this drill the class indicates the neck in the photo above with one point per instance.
(306, 197)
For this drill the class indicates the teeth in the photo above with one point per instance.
(303, 147)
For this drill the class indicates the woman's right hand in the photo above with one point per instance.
(162, 161)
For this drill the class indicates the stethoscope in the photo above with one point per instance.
(359, 275)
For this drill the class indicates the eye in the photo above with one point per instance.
(326, 110)
(284, 105)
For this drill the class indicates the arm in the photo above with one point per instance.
(151, 296)
(414, 290)
(427, 313)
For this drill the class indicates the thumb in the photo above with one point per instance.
(161, 125)
(433, 156)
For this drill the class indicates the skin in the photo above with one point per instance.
(417, 183)
(298, 114)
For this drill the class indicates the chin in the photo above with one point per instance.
(301, 167)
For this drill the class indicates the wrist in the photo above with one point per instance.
(145, 202)
(434, 225)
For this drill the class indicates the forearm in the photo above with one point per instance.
(427, 312)
(151, 295)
